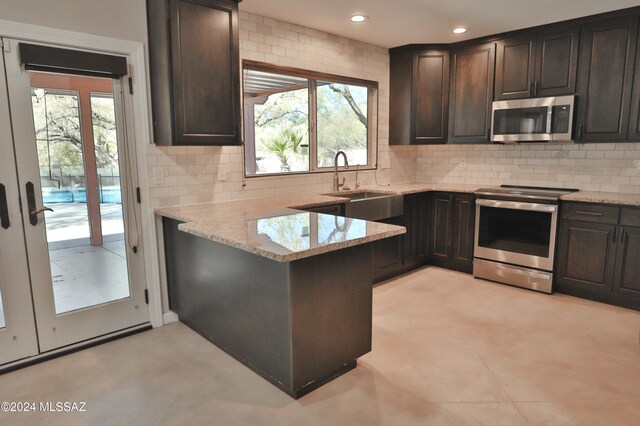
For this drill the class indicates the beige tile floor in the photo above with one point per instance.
(447, 349)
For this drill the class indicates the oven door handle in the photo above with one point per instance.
(516, 205)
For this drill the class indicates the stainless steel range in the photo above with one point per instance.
(515, 236)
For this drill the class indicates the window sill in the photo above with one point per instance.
(314, 172)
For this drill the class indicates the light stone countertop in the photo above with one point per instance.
(604, 198)
(275, 228)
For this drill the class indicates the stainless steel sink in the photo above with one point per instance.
(371, 205)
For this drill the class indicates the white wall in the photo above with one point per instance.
(608, 167)
(124, 19)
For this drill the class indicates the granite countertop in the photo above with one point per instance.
(275, 229)
(604, 198)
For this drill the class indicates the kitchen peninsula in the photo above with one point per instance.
(284, 291)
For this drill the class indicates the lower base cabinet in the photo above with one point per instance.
(452, 225)
(598, 253)
(440, 229)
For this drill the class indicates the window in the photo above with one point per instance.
(295, 121)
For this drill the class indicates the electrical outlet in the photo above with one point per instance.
(158, 175)
(463, 164)
(636, 164)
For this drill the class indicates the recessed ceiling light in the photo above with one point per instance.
(359, 18)
(459, 30)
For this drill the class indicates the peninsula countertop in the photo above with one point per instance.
(276, 228)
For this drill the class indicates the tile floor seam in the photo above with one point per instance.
(500, 384)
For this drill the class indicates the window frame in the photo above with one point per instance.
(312, 78)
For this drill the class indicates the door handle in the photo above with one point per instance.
(31, 205)
(4, 208)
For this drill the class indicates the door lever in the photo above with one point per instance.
(4, 208)
(31, 205)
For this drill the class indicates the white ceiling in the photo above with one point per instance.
(397, 22)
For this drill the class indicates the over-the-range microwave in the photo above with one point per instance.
(533, 120)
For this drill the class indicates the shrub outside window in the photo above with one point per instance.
(295, 121)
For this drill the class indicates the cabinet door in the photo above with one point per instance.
(205, 72)
(515, 67)
(441, 215)
(388, 254)
(430, 103)
(556, 62)
(463, 232)
(472, 74)
(627, 277)
(416, 223)
(607, 53)
(634, 119)
(586, 257)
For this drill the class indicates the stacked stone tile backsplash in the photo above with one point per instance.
(202, 174)
(608, 167)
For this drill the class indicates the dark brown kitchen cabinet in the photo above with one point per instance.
(416, 221)
(605, 76)
(598, 252)
(627, 277)
(452, 224)
(195, 77)
(634, 118)
(388, 254)
(541, 64)
(471, 95)
(419, 102)
(586, 257)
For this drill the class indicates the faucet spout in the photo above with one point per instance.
(336, 180)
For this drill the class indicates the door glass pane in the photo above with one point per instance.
(520, 121)
(342, 123)
(75, 126)
(518, 231)
(2, 323)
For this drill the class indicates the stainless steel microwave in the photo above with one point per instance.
(533, 120)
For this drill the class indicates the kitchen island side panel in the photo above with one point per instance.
(235, 299)
(331, 302)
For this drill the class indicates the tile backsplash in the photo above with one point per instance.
(608, 167)
(186, 175)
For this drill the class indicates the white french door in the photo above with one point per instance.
(61, 282)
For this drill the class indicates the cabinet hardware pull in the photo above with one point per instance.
(535, 88)
(580, 131)
(531, 88)
(588, 213)
(615, 235)
(4, 209)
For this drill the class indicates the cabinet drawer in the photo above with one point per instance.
(590, 213)
(630, 216)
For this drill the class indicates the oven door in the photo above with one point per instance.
(519, 233)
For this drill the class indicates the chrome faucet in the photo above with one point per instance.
(336, 181)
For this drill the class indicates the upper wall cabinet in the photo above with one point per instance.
(419, 105)
(607, 56)
(472, 71)
(537, 65)
(195, 77)
(634, 119)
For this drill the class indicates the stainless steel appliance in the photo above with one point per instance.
(533, 120)
(515, 235)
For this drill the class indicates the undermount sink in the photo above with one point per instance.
(371, 205)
